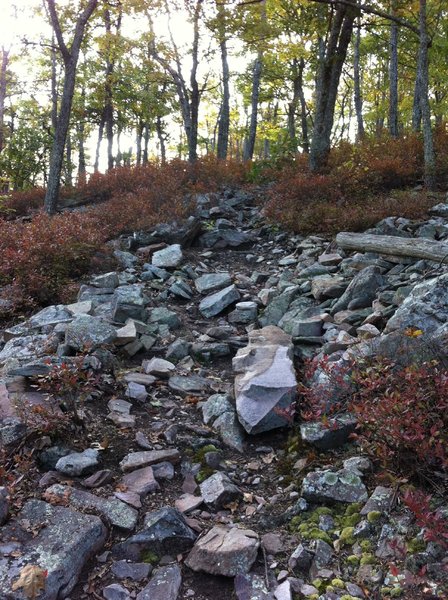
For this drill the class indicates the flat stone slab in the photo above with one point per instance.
(187, 502)
(165, 584)
(214, 304)
(112, 510)
(146, 458)
(56, 539)
(141, 482)
(329, 486)
(189, 385)
(211, 282)
(224, 551)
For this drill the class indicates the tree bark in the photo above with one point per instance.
(252, 133)
(68, 162)
(393, 76)
(3, 87)
(161, 138)
(357, 94)
(292, 107)
(82, 169)
(70, 57)
(328, 82)
(303, 110)
(224, 113)
(428, 143)
(421, 248)
(98, 143)
(146, 144)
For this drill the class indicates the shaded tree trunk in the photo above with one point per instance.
(416, 106)
(161, 138)
(393, 76)
(54, 87)
(98, 143)
(138, 141)
(82, 169)
(292, 107)
(70, 57)
(146, 144)
(3, 86)
(252, 133)
(303, 110)
(68, 161)
(328, 82)
(357, 94)
(428, 143)
(224, 113)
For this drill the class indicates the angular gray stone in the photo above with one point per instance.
(158, 367)
(217, 490)
(215, 406)
(128, 570)
(425, 308)
(230, 431)
(278, 306)
(164, 316)
(329, 486)
(381, 500)
(178, 350)
(189, 385)
(91, 332)
(136, 460)
(211, 282)
(106, 280)
(57, 539)
(168, 257)
(214, 304)
(265, 384)
(251, 587)
(115, 592)
(329, 436)
(112, 510)
(165, 584)
(126, 259)
(52, 315)
(24, 348)
(363, 286)
(164, 531)
(128, 302)
(78, 463)
(140, 481)
(244, 313)
(224, 551)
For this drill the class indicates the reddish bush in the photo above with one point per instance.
(433, 521)
(402, 414)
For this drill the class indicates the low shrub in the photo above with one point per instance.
(402, 414)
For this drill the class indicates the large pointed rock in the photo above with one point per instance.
(215, 303)
(265, 385)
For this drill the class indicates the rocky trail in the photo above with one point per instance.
(176, 472)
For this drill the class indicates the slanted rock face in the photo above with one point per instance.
(266, 381)
(89, 331)
(425, 308)
(361, 290)
(168, 257)
(64, 542)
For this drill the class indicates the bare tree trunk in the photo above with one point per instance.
(54, 87)
(98, 143)
(3, 85)
(146, 144)
(303, 110)
(292, 107)
(224, 113)
(393, 76)
(82, 170)
(428, 143)
(328, 82)
(68, 161)
(138, 140)
(70, 57)
(252, 133)
(416, 107)
(161, 138)
(357, 94)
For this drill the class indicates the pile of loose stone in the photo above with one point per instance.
(202, 329)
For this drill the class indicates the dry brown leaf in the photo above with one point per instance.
(300, 464)
(232, 506)
(268, 458)
(248, 497)
(32, 580)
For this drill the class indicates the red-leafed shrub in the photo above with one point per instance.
(402, 414)
(434, 522)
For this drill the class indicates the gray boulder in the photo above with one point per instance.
(56, 539)
(224, 551)
(214, 304)
(86, 331)
(329, 487)
(266, 383)
(164, 585)
(362, 289)
(78, 463)
(211, 282)
(168, 257)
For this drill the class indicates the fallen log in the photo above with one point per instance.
(395, 246)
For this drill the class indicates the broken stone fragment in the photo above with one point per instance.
(78, 463)
(217, 490)
(165, 584)
(265, 385)
(135, 460)
(329, 486)
(168, 257)
(214, 304)
(224, 551)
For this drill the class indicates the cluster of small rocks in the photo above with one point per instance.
(203, 348)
